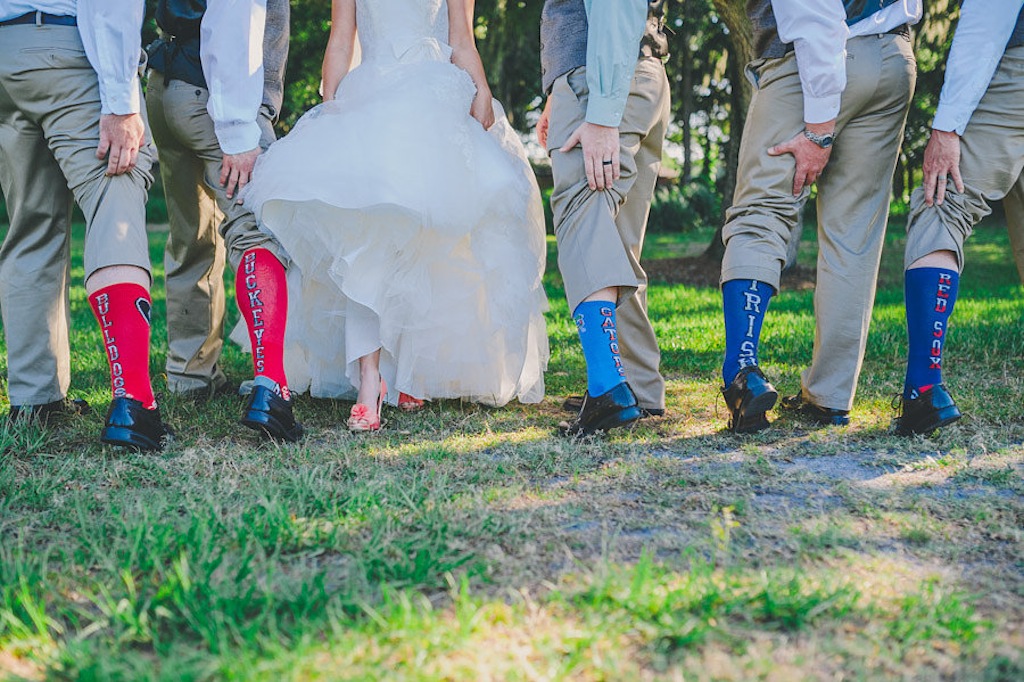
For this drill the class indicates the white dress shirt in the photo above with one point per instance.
(978, 46)
(231, 52)
(818, 31)
(112, 35)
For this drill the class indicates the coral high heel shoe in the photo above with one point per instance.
(406, 403)
(361, 419)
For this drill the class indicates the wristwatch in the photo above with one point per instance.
(824, 141)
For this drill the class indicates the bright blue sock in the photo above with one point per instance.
(744, 302)
(929, 294)
(595, 322)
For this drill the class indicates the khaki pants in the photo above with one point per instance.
(853, 199)
(601, 233)
(991, 161)
(49, 132)
(206, 228)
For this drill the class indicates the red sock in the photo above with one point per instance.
(261, 288)
(123, 313)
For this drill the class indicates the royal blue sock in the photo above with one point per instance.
(744, 302)
(929, 294)
(595, 322)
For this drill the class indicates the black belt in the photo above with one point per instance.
(41, 18)
(901, 30)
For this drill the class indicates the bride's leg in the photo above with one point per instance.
(369, 378)
(365, 415)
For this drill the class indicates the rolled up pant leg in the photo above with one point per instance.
(764, 211)
(47, 74)
(34, 263)
(853, 209)
(188, 120)
(991, 161)
(592, 253)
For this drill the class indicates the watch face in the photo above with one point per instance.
(823, 141)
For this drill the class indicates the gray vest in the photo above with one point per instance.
(563, 37)
(176, 53)
(766, 33)
(1017, 38)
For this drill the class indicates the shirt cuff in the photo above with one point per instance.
(118, 97)
(821, 109)
(949, 121)
(237, 137)
(605, 111)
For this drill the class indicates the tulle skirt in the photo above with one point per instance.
(410, 229)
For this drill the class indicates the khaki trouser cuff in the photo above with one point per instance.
(770, 276)
(931, 235)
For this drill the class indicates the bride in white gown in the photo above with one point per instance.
(412, 218)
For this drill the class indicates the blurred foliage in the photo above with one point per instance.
(688, 207)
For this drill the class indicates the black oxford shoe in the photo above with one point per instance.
(825, 416)
(130, 425)
(271, 415)
(929, 411)
(748, 398)
(574, 404)
(611, 410)
(47, 412)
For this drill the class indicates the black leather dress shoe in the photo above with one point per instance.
(271, 415)
(931, 410)
(825, 416)
(47, 412)
(748, 397)
(610, 410)
(574, 404)
(130, 425)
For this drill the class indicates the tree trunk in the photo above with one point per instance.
(734, 14)
(686, 105)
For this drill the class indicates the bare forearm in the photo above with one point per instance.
(340, 46)
(337, 64)
(468, 59)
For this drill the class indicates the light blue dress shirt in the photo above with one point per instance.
(615, 28)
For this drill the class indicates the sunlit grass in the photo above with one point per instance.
(472, 543)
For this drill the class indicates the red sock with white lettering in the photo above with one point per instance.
(261, 288)
(123, 313)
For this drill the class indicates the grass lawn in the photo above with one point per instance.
(467, 543)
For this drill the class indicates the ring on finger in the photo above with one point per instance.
(607, 162)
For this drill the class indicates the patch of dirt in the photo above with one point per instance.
(697, 271)
(848, 467)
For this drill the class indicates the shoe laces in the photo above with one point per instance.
(897, 403)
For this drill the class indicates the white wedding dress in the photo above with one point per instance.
(411, 228)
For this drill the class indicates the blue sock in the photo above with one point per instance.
(595, 322)
(929, 294)
(744, 302)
